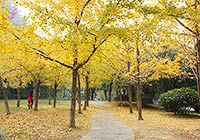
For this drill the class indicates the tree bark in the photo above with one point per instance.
(120, 98)
(86, 93)
(110, 90)
(73, 99)
(49, 96)
(138, 93)
(117, 92)
(5, 97)
(197, 46)
(37, 95)
(18, 97)
(79, 95)
(18, 94)
(105, 93)
(130, 96)
(93, 93)
(55, 94)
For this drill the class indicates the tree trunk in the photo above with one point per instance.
(18, 93)
(130, 96)
(197, 46)
(86, 93)
(88, 98)
(5, 97)
(93, 94)
(110, 90)
(105, 93)
(117, 92)
(138, 93)
(124, 91)
(55, 94)
(73, 99)
(49, 96)
(133, 89)
(37, 96)
(79, 95)
(18, 97)
(120, 98)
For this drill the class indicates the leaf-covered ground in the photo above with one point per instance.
(160, 125)
(46, 124)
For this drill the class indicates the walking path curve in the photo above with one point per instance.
(106, 127)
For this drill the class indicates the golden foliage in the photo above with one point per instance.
(46, 124)
(160, 125)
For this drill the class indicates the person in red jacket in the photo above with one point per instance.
(30, 100)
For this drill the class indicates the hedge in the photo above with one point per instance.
(179, 101)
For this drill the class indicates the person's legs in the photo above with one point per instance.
(31, 104)
(28, 105)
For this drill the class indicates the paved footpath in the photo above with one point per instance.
(106, 127)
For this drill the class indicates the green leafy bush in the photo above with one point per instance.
(179, 101)
(146, 100)
(197, 107)
(124, 97)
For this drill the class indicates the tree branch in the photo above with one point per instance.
(93, 52)
(27, 70)
(185, 26)
(19, 38)
(77, 21)
(13, 69)
(41, 53)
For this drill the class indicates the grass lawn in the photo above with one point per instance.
(46, 124)
(160, 125)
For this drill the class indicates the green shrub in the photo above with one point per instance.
(124, 97)
(146, 100)
(179, 100)
(197, 107)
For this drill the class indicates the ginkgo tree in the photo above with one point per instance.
(78, 35)
(94, 72)
(74, 30)
(184, 15)
(140, 50)
(7, 52)
(55, 78)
